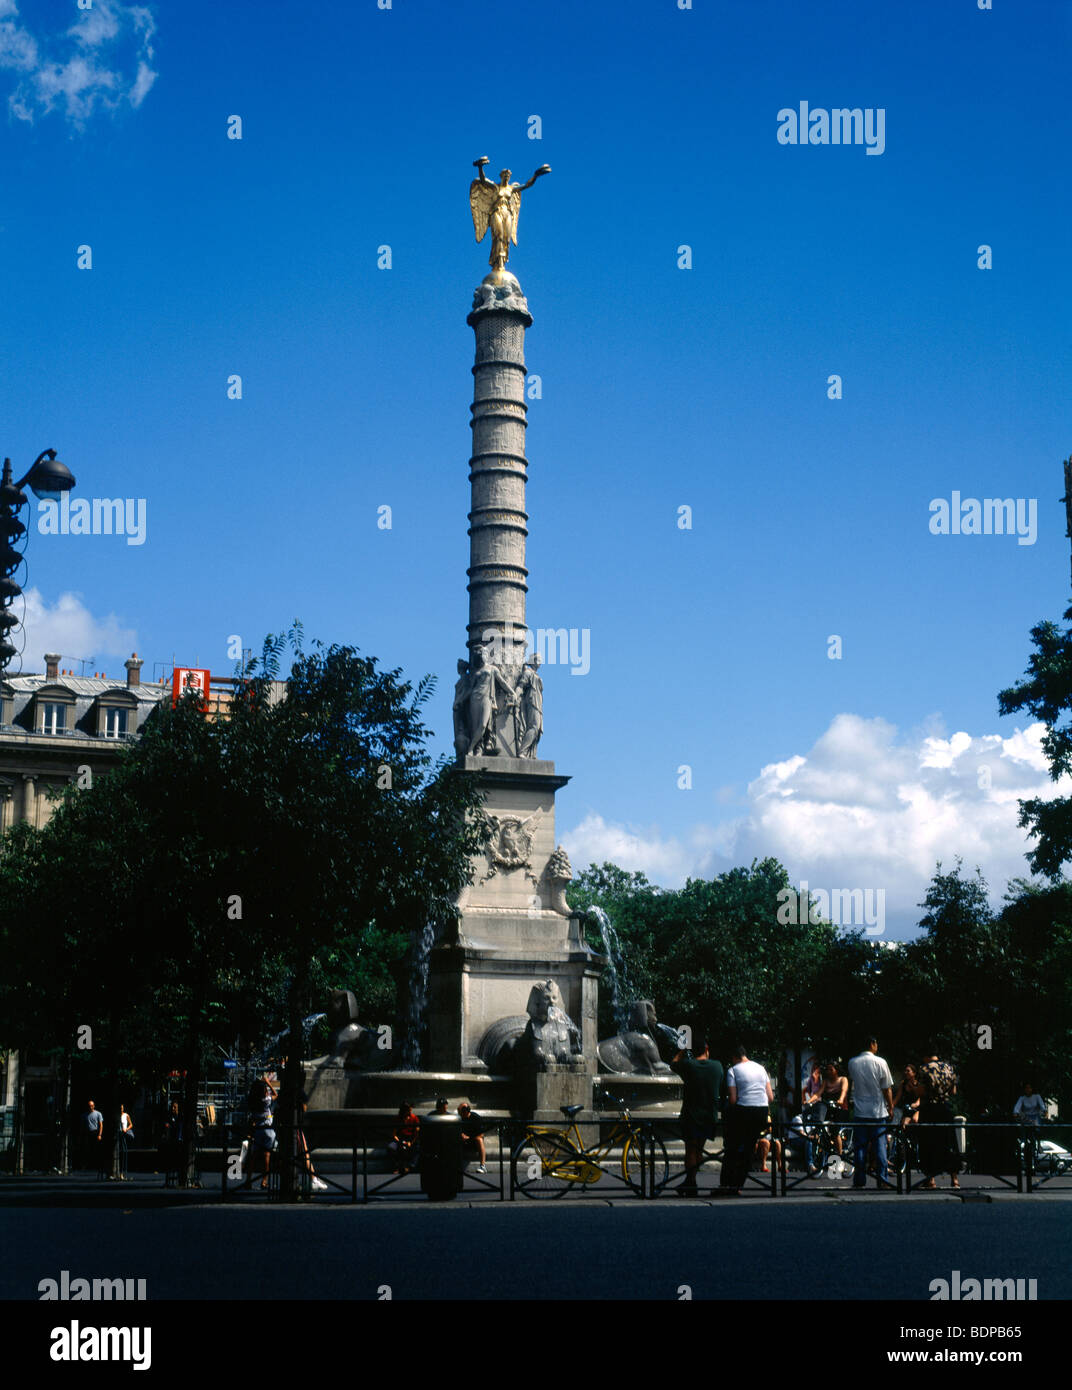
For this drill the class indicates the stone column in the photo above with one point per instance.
(7, 807)
(29, 799)
(498, 470)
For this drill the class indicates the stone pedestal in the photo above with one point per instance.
(508, 936)
(541, 1095)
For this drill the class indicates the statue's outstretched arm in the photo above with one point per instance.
(543, 169)
(478, 165)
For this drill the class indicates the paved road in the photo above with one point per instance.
(845, 1247)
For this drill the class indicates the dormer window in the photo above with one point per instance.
(53, 717)
(115, 715)
(54, 711)
(115, 723)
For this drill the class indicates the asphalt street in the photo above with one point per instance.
(837, 1246)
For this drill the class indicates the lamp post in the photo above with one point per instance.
(47, 478)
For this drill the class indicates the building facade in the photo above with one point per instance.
(59, 728)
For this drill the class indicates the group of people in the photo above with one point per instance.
(94, 1153)
(827, 1096)
(748, 1095)
(406, 1137)
(261, 1136)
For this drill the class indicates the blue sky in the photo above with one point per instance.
(662, 387)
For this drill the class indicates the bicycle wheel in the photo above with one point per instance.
(822, 1150)
(656, 1156)
(545, 1165)
(896, 1152)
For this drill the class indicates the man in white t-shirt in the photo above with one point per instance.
(749, 1090)
(872, 1108)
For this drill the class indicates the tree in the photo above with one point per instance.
(227, 867)
(1046, 693)
(715, 955)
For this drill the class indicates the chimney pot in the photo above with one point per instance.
(52, 665)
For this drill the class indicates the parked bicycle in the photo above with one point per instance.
(902, 1144)
(831, 1146)
(548, 1162)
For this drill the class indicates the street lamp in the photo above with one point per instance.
(47, 478)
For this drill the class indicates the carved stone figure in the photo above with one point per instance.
(529, 690)
(484, 679)
(461, 709)
(635, 1051)
(510, 846)
(498, 206)
(551, 1035)
(351, 1045)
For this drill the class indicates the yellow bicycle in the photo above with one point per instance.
(548, 1162)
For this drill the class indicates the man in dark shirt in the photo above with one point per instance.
(472, 1127)
(699, 1105)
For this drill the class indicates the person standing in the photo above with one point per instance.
(702, 1079)
(937, 1151)
(261, 1131)
(173, 1133)
(92, 1132)
(750, 1095)
(124, 1133)
(872, 1108)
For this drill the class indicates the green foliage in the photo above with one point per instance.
(714, 955)
(227, 868)
(1046, 693)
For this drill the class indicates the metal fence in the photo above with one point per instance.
(609, 1157)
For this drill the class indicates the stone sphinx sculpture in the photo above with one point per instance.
(551, 1035)
(543, 1035)
(634, 1052)
(351, 1045)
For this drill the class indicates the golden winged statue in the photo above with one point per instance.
(498, 206)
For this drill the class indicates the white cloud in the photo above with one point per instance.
(68, 627)
(101, 62)
(859, 810)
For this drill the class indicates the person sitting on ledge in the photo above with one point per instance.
(404, 1140)
(763, 1148)
(472, 1127)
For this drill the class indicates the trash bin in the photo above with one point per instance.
(441, 1157)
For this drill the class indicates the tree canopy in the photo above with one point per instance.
(228, 869)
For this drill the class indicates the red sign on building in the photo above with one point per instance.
(187, 678)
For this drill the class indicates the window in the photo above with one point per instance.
(53, 718)
(115, 723)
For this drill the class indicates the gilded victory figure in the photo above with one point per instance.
(498, 206)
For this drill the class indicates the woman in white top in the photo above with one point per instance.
(123, 1135)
